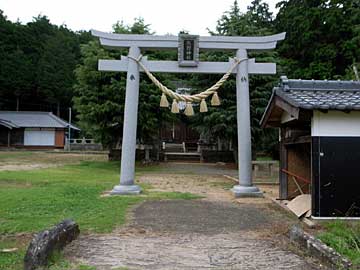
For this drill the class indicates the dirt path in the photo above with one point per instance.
(216, 232)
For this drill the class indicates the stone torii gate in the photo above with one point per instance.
(188, 63)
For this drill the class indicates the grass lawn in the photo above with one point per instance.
(33, 200)
(344, 237)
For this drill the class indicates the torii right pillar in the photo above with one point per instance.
(245, 187)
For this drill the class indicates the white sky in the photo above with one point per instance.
(164, 16)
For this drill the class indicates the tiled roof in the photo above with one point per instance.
(323, 95)
(13, 119)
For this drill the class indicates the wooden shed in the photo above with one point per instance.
(32, 130)
(319, 123)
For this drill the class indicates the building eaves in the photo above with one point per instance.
(8, 124)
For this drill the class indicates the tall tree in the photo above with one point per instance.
(259, 14)
(55, 68)
(15, 64)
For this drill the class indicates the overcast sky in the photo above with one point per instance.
(164, 16)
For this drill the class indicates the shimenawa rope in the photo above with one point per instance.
(200, 97)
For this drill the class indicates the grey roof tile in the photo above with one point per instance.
(33, 120)
(317, 94)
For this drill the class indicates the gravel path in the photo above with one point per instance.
(217, 232)
(188, 251)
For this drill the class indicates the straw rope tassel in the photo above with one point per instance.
(175, 107)
(164, 103)
(203, 106)
(189, 111)
(215, 101)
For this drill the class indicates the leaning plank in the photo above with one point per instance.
(300, 205)
(45, 243)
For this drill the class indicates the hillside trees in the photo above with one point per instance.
(14, 63)
(37, 61)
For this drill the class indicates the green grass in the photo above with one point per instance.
(86, 267)
(33, 200)
(224, 185)
(344, 238)
(12, 260)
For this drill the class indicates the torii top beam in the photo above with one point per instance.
(114, 41)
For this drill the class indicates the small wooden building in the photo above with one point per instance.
(32, 130)
(319, 125)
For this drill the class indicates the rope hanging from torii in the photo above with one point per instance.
(200, 97)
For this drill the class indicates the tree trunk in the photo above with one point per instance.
(58, 109)
(236, 157)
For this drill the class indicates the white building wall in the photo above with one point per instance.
(336, 124)
(39, 137)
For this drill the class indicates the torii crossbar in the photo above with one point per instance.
(136, 43)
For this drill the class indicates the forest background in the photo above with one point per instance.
(45, 67)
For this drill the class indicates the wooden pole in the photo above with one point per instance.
(69, 130)
(9, 137)
(356, 73)
(17, 103)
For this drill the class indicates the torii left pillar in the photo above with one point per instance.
(127, 174)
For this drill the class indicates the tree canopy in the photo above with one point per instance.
(37, 63)
(48, 67)
(221, 122)
(323, 37)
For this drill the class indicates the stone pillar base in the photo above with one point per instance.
(126, 190)
(246, 191)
